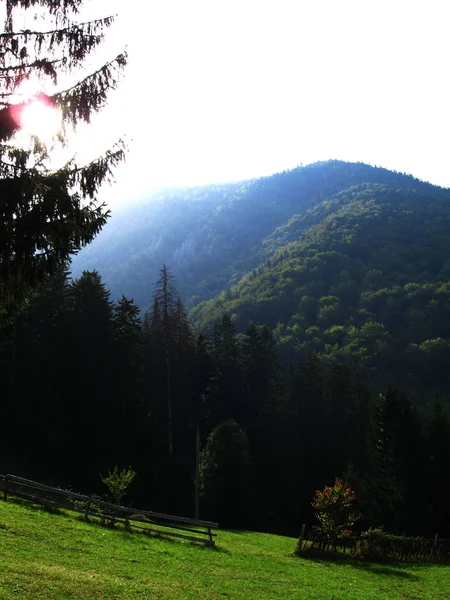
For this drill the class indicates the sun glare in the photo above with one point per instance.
(41, 120)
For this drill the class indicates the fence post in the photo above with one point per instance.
(5, 497)
(300, 539)
(88, 507)
(210, 542)
(127, 518)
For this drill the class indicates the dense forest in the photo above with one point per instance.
(88, 384)
(365, 282)
(305, 337)
(345, 260)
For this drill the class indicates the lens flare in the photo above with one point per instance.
(41, 120)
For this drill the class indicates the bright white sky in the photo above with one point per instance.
(222, 90)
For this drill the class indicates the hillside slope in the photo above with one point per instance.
(48, 556)
(363, 276)
(211, 236)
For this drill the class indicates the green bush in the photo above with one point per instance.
(118, 482)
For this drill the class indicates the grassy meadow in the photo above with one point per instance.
(49, 556)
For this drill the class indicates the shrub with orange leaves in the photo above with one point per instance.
(334, 509)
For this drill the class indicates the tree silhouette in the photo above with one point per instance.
(48, 214)
(226, 473)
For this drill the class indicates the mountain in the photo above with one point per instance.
(344, 259)
(362, 277)
(211, 236)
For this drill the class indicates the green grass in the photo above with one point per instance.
(45, 555)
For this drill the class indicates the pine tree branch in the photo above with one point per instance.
(77, 103)
(75, 42)
(37, 64)
(19, 162)
(70, 29)
(55, 7)
(91, 176)
(14, 75)
(90, 94)
(88, 177)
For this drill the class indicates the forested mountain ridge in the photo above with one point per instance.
(363, 277)
(343, 259)
(211, 236)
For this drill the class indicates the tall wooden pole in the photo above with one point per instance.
(197, 473)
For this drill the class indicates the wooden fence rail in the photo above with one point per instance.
(149, 522)
(385, 546)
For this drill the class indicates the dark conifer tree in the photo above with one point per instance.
(226, 476)
(339, 406)
(436, 482)
(127, 375)
(154, 380)
(89, 396)
(359, 422)
(34, 351)
(306, 428)
(395, 463)
(169, 347)
(164, 304)
(203, 375)
(260, 372)
(227, 382)
(183, 364)
(310, 413)
(46, 214)
(48, 322)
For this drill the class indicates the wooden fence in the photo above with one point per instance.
(380, 547)
(146, 521)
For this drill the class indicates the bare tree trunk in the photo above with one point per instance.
(169, 404)
(9, 18)
(12, 382)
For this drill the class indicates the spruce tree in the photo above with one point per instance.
(260, 370)
(437, 485)
(226, 475)
(90, 358)
(395, 463)
(170, 357)
(183, 376)
(310, 416)
(127, 374)
(48, 214)
(337, 424)
(305, 435)
(226, 384)
(203, 373)
(34, 372)
(164, 303)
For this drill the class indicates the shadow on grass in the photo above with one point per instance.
(215, 548)
(118, 527)
(388, 570)
(392, 568)
(53, 510)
